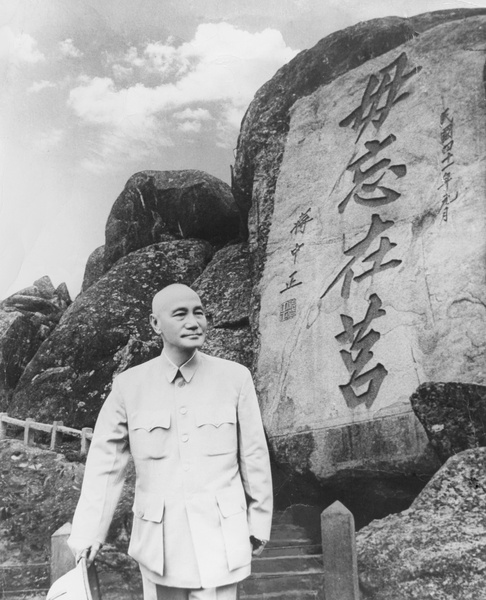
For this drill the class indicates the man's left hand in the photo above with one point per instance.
(258, 545)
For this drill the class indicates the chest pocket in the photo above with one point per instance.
(150, 434)
(217, 429)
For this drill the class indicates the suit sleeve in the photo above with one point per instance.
(254, 462)
(104, 474)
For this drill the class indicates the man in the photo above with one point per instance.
(203, 484)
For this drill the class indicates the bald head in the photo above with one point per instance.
(178, 317)
(169, 293)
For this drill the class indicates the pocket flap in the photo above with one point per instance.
(151, 419)
(230, 502)
(149, 509)
(215, 415)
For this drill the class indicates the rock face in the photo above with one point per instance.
(437, 548)
(453, 415)
(26, 320)
(31, 511)
(105, 331)
(181, 204)
(19, 340)
(95, 268)
(366, 232)
(224, 288)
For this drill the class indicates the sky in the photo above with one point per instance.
(94, 91)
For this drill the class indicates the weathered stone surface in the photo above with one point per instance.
(224, 288)
(265, 126)
(39, 490)
(437, 548)
(232, 344)
(26, 320)
(182, 204)
(62, 297)
(40, 297)
(19, 340)
(373, 279)
(105, 331)
(95, 267)
(453, 415)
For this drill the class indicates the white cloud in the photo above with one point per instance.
(190, 127)
(18, 47)
(49, 140)
(69, 50)
(222, 65)
(122, 73)
(37, 86)
(198, 114)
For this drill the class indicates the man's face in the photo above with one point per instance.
(178, 316)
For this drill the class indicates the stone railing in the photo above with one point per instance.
(57, 428)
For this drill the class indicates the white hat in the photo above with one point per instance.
(76, 584)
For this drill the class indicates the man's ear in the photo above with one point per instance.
(153, 322)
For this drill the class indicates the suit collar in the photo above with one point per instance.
(187, 369)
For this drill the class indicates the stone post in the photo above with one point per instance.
(62, 559)
(55, 425)
(3, 427)
(28, 433)
(339, 553)
(85, 440)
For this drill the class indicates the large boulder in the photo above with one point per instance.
(224, 288)
(26, 320)
(360, 166)
(435, 550)
(453, 415)
(105, 331)
(20, 336)
(181, 204)
(95, 268)
(42, 298)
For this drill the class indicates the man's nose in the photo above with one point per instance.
(191, 322)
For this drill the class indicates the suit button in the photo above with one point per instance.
(186, 466)
(181, 383)
(183, 410)
(184, 437)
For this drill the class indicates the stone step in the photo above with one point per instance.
(291, 549)
(296, 541)
(288, 595)
(263, 583)
(287, 530)
(287, 564)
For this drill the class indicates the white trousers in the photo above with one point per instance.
(152, 591)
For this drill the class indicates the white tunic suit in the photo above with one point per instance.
(203, 482)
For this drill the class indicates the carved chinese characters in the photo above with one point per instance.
(378, 99)
(447, 143)
(288, 309)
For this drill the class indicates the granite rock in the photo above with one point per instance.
(95, 268)
(224, 288)
(39, 490)
(20, 336)
(373, 239)
(261, 143)
(453, 415)
(435, 550)
(105, 331)
(179, 204)
(26, 320)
